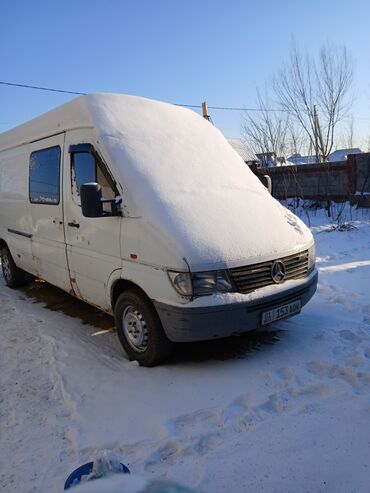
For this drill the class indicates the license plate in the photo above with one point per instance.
(281, 312)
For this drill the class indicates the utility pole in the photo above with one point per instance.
(205, 111)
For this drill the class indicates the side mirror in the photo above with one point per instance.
(91, 197)
(92, 203)
(266, 180)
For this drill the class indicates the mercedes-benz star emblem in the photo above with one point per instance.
(278, 271)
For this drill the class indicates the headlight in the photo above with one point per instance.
(211, 282)
(200, 283)
(311, 258)
(181, 281)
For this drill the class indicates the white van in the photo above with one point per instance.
(144, 210)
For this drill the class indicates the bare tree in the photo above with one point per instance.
(309, 89)
(350, 133)
(266, 130)
(295, 140)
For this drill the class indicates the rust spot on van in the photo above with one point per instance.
(72, 279)
(19, 255)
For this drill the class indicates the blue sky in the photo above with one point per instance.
(177, 51)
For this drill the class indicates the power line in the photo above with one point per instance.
(223, 108)
(41, 88)
(195, 106)
(228, 108)
(198, 106)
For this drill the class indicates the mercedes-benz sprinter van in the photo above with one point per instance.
(144, 210)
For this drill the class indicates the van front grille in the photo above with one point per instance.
(252, 277)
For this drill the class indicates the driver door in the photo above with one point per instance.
(93, 244)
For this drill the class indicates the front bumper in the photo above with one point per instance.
(212, 322)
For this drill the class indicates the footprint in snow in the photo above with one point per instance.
(349, 335)
(207, 443)
(193, 423)
(164, 455)
(238, 407)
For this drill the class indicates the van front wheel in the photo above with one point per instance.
(140, 330)
(14, 277)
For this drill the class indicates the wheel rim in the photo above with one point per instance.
(5, 264)
(135, 328)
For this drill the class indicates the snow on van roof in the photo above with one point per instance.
(180, 176)
(189, 185)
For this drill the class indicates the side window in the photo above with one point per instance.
(86, 168)
(82, 171)
(106, 187)
(44, 184)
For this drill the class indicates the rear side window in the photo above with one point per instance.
(44, 176)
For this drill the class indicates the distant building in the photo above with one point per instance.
(341, 154)
(244, 151)
(298, 159)
(338, 155)
(268, 159)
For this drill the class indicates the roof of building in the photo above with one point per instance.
(338, 155)
(341, 154)
(298, 159)
(244, 151)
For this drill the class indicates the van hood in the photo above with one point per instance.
(189, 189)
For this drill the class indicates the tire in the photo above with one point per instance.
(140, 330)
(14, 277)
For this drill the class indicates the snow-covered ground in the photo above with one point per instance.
(280, 411)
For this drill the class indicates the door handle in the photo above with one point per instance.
(74, 225)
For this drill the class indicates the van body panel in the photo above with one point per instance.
(153, 280)
(15, 217)
(151, 247)
(115, 276)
